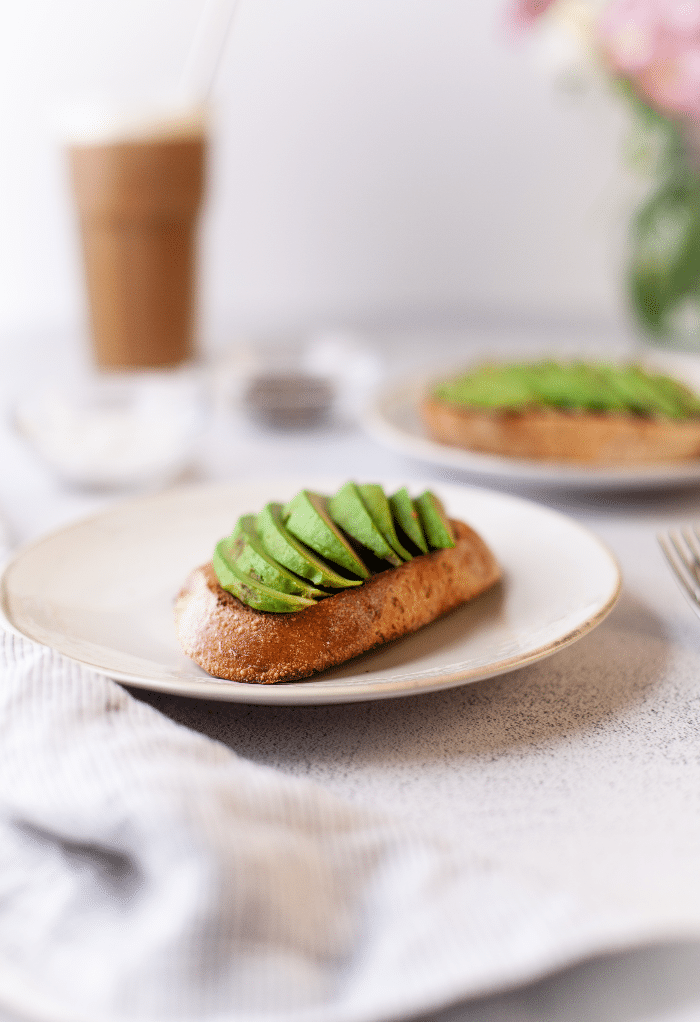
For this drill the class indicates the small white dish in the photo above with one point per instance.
(101, 592)
(125, 431)
(392, 419)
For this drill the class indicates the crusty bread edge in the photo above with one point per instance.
(236, 643)
(550, 434)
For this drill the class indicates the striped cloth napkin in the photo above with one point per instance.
(151, 873)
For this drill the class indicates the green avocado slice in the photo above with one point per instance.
(306, 517)
(245, 549)
(376, 502)
(589, 386)
(490, 386)
(688, 404)
(642, 395)
(436, 524)
(574, 385)
(293, 554)
(347, 510)
(406, 515)
(255, 594)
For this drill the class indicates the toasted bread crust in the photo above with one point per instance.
(592, 438)
(233, 641)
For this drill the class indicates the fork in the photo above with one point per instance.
(681, 548)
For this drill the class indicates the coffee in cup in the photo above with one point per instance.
(138, 187)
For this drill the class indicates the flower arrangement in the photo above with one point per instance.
(650, 49)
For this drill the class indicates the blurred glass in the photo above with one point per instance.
(138, 182)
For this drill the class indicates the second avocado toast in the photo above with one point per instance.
(591, 413)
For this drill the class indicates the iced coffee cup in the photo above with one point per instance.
(138, 183)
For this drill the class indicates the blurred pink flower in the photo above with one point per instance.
(630, 34)
(655, 44)
(528, 11)
(682, 16)
(671, 82)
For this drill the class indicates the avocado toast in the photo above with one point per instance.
(353, 570)
(591, 413)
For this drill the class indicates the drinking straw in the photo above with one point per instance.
(208, 44)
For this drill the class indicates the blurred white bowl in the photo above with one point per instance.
(131, 431)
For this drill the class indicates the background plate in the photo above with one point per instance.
(392, 419)
(101, 592)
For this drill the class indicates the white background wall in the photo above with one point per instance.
(377, 163)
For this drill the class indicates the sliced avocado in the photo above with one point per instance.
(406, 516)
(287, 549)
(255, 594)
(347, 510)
(490, 386)
(656, 395)
(590, 386)
(245, 549)
(376, 502)
(687, 402)
(575, 385)
(639, 394)
(306, 517)
(436, 524)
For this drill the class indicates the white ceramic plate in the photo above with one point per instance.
(101, 592)
(392, 419)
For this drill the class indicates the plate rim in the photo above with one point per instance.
(309, 691)
(556, 475)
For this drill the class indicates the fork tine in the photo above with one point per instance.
(692, 558)
(684, 563)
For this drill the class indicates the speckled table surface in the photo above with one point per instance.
(584, 768)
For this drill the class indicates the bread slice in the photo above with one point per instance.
(590, 438)
(232, 641)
